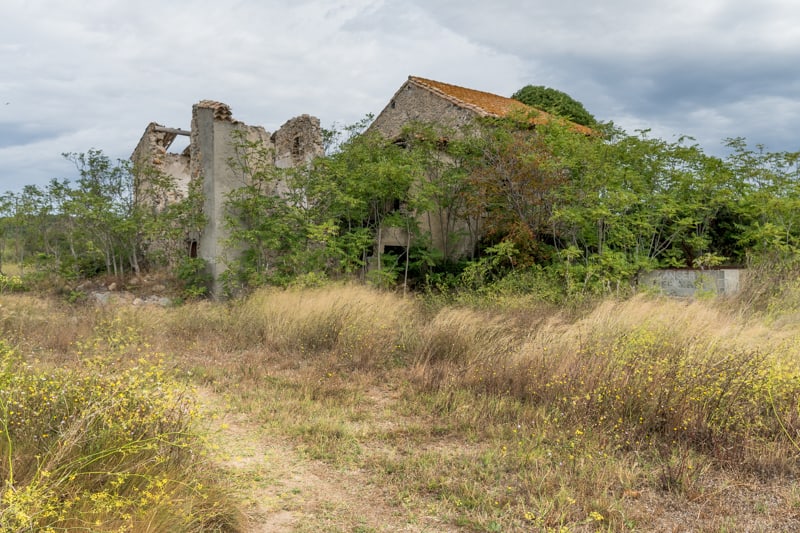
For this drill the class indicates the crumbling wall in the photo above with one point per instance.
(151, 157)
(206, 165)
(297, 142)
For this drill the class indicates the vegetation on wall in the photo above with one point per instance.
(515, 208)
(587, 212)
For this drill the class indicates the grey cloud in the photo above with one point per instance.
(12, 134)
(93, 73)
(714, 67)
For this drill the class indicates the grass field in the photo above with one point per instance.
(348, 409)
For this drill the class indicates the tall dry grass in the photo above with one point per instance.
(641, 370)
(40, 324)
(362, 328)
(517, 414)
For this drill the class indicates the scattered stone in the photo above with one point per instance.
(101, 298)
(138, 301)
(112, 287)
(158, 288)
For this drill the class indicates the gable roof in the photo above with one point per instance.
(487, 104)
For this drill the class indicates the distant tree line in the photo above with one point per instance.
(95, 225)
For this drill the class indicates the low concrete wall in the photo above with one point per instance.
(687, 282)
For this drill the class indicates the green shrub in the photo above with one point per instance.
(12, 284)
(195, 277)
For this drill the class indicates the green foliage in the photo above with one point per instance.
(165, 220)
(75, 296)
(195, 277)
(589, 212)
(267, 226)
(95, 225)
(498, 261)
(102, 209)
(556, 102)
(78, 229)
(323, 218)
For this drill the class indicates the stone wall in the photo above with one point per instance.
(152, 155)
(413, 103)
(297, 142)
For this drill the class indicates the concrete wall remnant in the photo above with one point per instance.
(213, 137)
(689, 282)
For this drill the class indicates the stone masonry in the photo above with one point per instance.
(205, 161)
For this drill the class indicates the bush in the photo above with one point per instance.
(195, 277)
(12, 284)
(102, 448)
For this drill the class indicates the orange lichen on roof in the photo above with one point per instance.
(488, 104)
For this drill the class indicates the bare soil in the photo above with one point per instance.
(287, 492)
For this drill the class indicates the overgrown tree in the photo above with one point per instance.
(556, 102)
(103, 202)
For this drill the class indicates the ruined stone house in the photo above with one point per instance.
(429, 101)
(421, 100)
(206, 162)
(213, 132)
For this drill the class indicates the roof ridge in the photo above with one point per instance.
(488, 104)
(432, 83)
(429, 85)
(433, 86)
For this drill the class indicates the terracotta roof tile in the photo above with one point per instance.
(221, 111)
(486, 104)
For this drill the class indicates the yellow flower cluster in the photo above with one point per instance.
(11, 283)
(106, 442)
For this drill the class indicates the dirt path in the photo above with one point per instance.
(286, 492)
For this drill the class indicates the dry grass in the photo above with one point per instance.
(497, 420)
(36, 324)
(362, 327)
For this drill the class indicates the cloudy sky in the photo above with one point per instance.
(81, 74)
